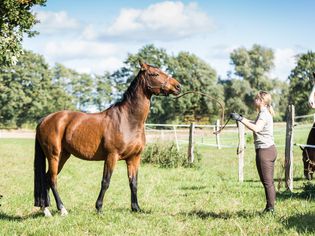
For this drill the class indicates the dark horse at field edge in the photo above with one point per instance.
(114, 134)
(308, 154)
(308, 151)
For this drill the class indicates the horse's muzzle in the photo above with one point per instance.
(178, 88)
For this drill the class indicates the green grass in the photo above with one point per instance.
(183, 201)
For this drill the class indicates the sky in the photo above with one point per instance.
(96, 36)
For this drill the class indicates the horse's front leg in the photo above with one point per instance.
(132, 167)
(109, 165)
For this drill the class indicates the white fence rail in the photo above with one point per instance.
(180, 135)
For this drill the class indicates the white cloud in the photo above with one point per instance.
(93, 49)
(67, 49)
(52, 22)
(93, 65)
(161, 21)
(284, 61)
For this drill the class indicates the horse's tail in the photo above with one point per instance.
(41, 197)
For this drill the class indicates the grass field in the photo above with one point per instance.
(205, 201)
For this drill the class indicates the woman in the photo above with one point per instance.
(266, 152)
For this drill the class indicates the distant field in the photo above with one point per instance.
(204, 201)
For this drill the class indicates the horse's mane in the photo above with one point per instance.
(132, 89)
(130, 92)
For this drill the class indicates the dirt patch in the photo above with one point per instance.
(17, 133)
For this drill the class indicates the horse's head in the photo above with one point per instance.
(311, 98)
(158, 82)
(309, 165)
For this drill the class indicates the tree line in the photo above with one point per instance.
(32, 89)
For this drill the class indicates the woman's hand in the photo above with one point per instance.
(236, 116)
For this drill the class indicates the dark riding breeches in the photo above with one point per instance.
(265, 162)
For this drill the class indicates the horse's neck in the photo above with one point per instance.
(137, 105)
(138, 110)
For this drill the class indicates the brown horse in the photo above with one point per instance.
(114, 134)
(309, 155)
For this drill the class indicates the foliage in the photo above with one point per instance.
(30, 89)
(82, 87)
(167, 156)
(308, 191)
(87, 91)
(27, 92)
(280, 99)
(253, 66)
(16, 19)
(103, 94)
(238, 96)
(300, 82)
(196, 75)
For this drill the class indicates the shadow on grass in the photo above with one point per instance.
(302, 223)
(251, 180)
(193, 187)
(7, 217)
(127, 210)
(222, 215)
(307, 193)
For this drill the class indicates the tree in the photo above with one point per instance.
(195, 75)
(16, 19)
(82, 86)
(253, 65)
(103, 92)
(238, 94)
(27, 92)
(300, 82)
(280, 94)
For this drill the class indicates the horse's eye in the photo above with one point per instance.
(153, 74)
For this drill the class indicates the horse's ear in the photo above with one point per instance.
(313, 74)
(143, 66)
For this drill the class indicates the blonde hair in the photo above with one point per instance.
(266, 98)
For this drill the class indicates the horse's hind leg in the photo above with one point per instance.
(55, 166)
(64, 156)
(132, 167)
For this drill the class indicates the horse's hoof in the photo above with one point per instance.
(136, 209)
(63, 212)
(99, 211)
(46, 212)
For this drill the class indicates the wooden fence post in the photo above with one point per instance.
(240, 150)
(191, 143)
(217, 135)
(289, 148)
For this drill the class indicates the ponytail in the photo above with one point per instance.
(271, 110)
